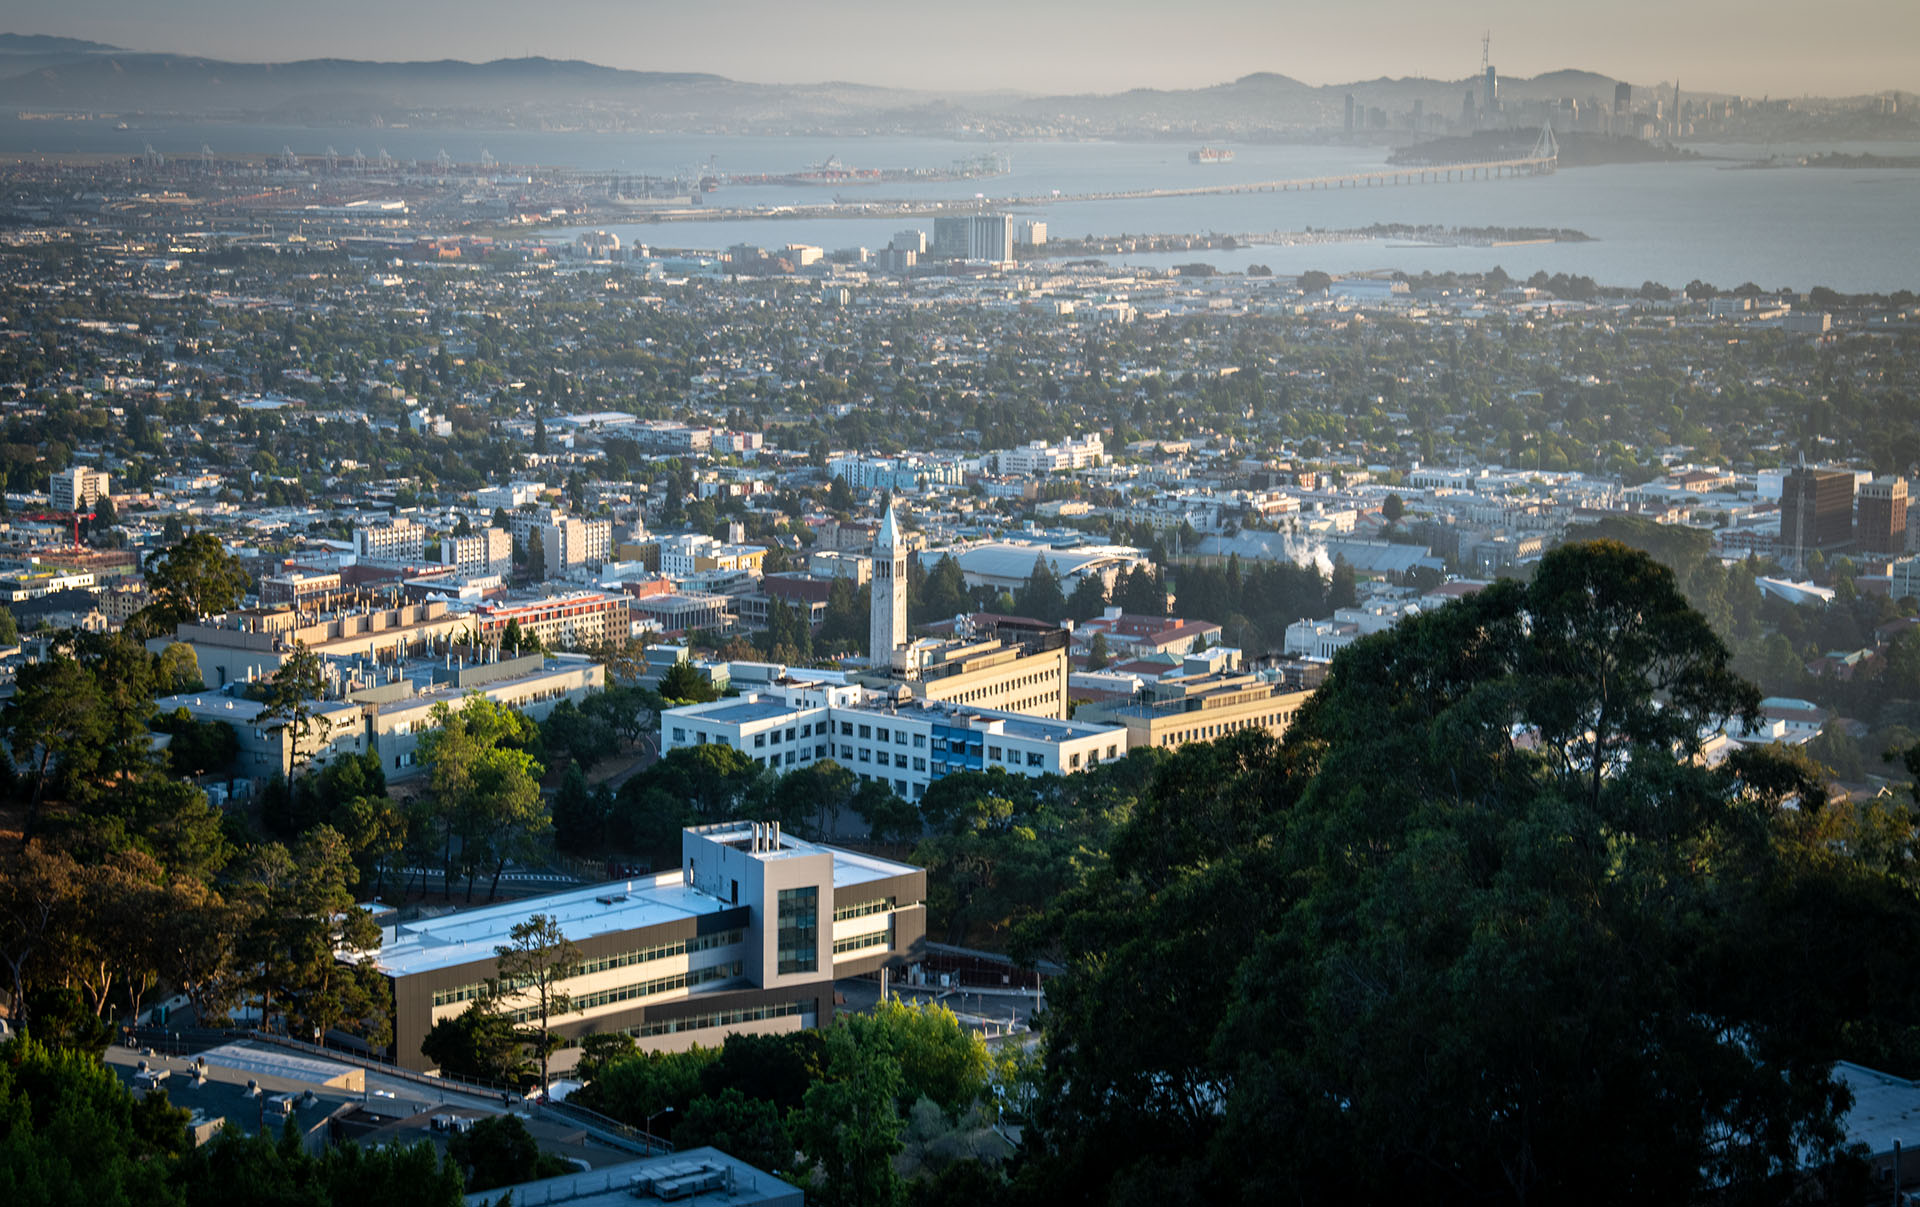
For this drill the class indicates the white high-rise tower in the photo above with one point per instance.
(888, 629)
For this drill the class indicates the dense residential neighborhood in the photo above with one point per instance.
(766, 719)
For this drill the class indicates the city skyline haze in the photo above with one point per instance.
(1761, 46)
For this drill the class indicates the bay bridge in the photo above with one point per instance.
(1542, 160)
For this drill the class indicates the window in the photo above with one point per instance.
(679, 734)
(726, 1018)
(806, 731)
(846, 754)
(789, 758)
(993, 752)
(789, 733)
(774, 738)
(919, 741)
(1074, 761)
(1034, 759)
(880, 734)
(899, 737)
(900, 786)
(878, 938)
(862, 909)
(919, 764)
(820, 752)
(846, 729)
(759, 740)
(866, 731)
(797, 933)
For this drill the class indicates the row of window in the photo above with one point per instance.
(882, 757)
(881, 733)
(862, 909)
(660, 951)
(1201, 733)
(878, 938)
(665, 984)
(721, 1018)
(464, 993)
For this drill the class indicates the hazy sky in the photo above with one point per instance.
(1782, 47)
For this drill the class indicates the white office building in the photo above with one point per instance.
(906, 745)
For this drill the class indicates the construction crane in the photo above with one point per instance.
(70, 518)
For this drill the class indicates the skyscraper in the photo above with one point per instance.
(1622, 99)
(1816, 511)
(1349, 113)
(974, 237)
(1881, 525)
(887, 628)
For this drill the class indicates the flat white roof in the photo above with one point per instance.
(472, 935)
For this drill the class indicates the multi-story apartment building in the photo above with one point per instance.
(974, 237)
(687, 554)
(488, 551)
(568, 542)
(401, 540)
(746, 936)
(77, 488)
(906, 475)
(1039, 457)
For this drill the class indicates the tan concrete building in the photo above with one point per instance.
(1200, 707)
(252, 644)
(1017, 667)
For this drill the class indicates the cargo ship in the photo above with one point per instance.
(1210, 155)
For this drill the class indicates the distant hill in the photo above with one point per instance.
(68, 74)
(41, 44)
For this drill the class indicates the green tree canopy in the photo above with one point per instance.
(1489, 931)
(192, 579)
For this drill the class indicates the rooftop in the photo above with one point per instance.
(582, 913)
(735, 1182)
